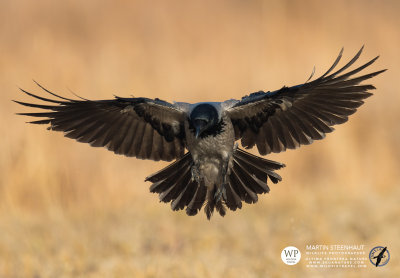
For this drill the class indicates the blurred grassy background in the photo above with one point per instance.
(68, 210)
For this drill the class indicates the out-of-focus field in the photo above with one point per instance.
(69, 210)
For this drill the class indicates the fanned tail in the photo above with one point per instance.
(174, 184)
(248, 177)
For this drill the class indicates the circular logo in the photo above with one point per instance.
(379, 256)
(290, 255)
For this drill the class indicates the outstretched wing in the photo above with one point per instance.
(294, 116)
(138, 127)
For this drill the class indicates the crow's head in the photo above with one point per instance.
(203, 117)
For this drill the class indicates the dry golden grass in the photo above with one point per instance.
(68, 210)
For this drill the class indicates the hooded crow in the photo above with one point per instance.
(209, 168)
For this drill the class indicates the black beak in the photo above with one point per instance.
(199, 126)
(198, 131)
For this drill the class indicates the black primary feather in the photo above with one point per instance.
(129, 126)
(297, 115)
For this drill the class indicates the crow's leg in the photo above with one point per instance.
(195, 172)
(220, 193)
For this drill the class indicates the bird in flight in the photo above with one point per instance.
(209, 167)
(380, 256)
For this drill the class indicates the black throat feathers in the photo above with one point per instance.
(212, 131)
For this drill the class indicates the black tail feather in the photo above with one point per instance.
(233, 201)
(268, 164)
(220, 207)
(244, 181)
(198, 200)
(174, 184)
(210, 203)
(170, 169)
(184, 197)
(238, 188)
(182, 180)
(249, 177)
